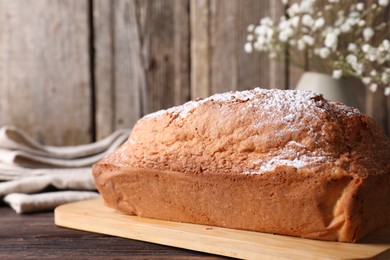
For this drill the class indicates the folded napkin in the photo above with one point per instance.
(29, 169)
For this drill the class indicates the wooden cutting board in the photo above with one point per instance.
(94, 216)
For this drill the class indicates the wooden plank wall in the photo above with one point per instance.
(142, 59)
(218, 60)
(45, 82)
(74, 71)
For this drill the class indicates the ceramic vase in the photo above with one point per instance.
(347, 91)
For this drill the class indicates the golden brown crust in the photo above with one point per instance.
(275, 161)
(327, 207)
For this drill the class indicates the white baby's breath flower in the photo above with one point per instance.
(260, 40)
(352, 21)
(319, 23)
(283, 36)
(337, 31)
(324, 53)
(306, 6)
(352, 47)
(258, 45)
(248, 48)
(372, 54)
(368, 33)
(331, 40)
(345, 27)
(361, 23)
(354, 14)
(308, 39)
(373, 87)
(327, 7)
(301, 45)
(267, 21)
(366, 48)
(304, 28)
(385, 78)
(358, 68)
(293, 10)
(284, 25)
(366, 80)
(260, 30)
(351, 59)
(339, 21)
(294, 21)
(307, 20)
(264, 31)
(272, 55)
(383, 3)
(337, 74)
(269, 33)
(387, 91)
(385, 45)
(251, 28)
(360, 6)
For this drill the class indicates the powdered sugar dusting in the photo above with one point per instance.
(298, 163)
(296, 144)
(292, 100)
(156, 114)
(271, 164)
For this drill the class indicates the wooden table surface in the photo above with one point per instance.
(34, 236)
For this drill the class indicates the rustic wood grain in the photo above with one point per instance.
(200, 48)
(294, 71)
(218, 35)
(223, 46)
(103, 15)
(279, 68)
(35, 236)
(164, 31)
(44, 69)
(142, 59)
(181, 53)
(257, 69)
(129, 77)
(294, 75)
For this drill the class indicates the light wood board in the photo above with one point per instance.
(94, 216)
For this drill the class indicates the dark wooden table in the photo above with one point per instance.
(34, 236)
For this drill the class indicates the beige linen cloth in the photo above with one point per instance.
(28, 169)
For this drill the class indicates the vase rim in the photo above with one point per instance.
(317, 73)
